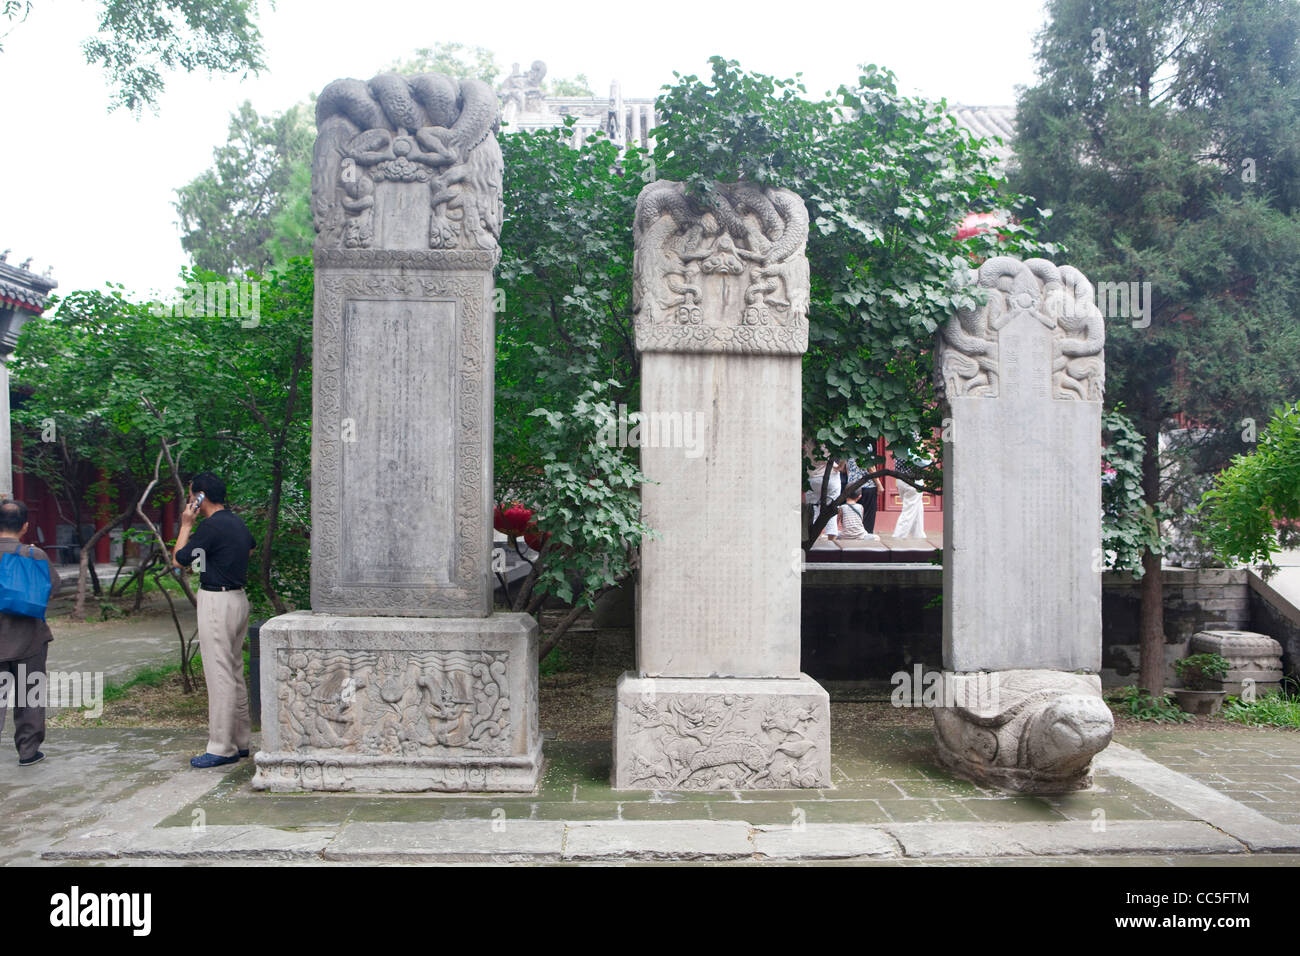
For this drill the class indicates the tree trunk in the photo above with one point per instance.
(1151, 629)
(83, 572)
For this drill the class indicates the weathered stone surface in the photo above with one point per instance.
(407, 162)
(658, 840)
(720, 297)
(732, 277)
(401, 680)
(496, 840)
(1022, 377)
(721, 734)
(226, 842)
(1242, 822)
(1032, 731)
(824, 841)
(701, 612)
(399, 704)
(1254, 658)
(1059, 839)
(406, 197)
(402, 470)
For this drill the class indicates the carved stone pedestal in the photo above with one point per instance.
(687, 733)
(377, 704)
(1032, 731)
(1254, 660)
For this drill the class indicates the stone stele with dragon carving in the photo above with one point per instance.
(725, 273)
(407, 162)
(1022, 375)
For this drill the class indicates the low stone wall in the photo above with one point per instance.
(1195, 600)
(1272, 614)
(865, 622)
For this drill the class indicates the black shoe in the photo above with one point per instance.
(35, 758)
(243, 754)
(205, 760)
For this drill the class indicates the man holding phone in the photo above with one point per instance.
(219, 550)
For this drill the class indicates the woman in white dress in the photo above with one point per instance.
(911, 522)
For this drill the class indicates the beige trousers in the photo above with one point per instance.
(223, 625)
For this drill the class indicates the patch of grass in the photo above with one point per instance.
(1274, 709)
(1135, 702)
(148, 677)
(557, 662)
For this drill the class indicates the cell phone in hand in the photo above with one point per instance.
(198, 500)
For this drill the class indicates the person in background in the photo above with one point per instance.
(833, 485)
(220, 548)
(24, 642)
(869, 490)
(851, 523)
(911, 522)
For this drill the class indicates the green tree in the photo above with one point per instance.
(251, 210)
(886, 178)
(562, 86)
(203, 384)
(1253, 510)
(566, 360)
(453, 59)
(1137, 135)
(139, 41)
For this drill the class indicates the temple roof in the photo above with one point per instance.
(22, 289)
(988, 122)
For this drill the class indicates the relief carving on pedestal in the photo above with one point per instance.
(393, 703)
(1061, 298)
(727, 274)
(431, 130)
(724, 741)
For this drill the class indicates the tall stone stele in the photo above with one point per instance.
(400, 678)
(720, 297)
(1022, 377)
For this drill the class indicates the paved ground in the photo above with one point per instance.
(118, 648)
(129, 796)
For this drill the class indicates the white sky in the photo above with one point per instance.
(91, 193)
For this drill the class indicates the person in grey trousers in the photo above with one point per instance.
(24, 642)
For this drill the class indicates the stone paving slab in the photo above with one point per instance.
(496, 841)
(129, 797)
(229, 844)
(1201, 801)
(831, 841)
(658, 840)
(1033, 839)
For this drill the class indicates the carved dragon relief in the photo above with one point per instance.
(1060, 298)
(429, 129)
(698, 742)
(743, 249)
(393, 703)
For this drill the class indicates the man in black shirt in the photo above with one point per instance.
(219, 551)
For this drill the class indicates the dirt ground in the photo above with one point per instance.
(576, 692)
